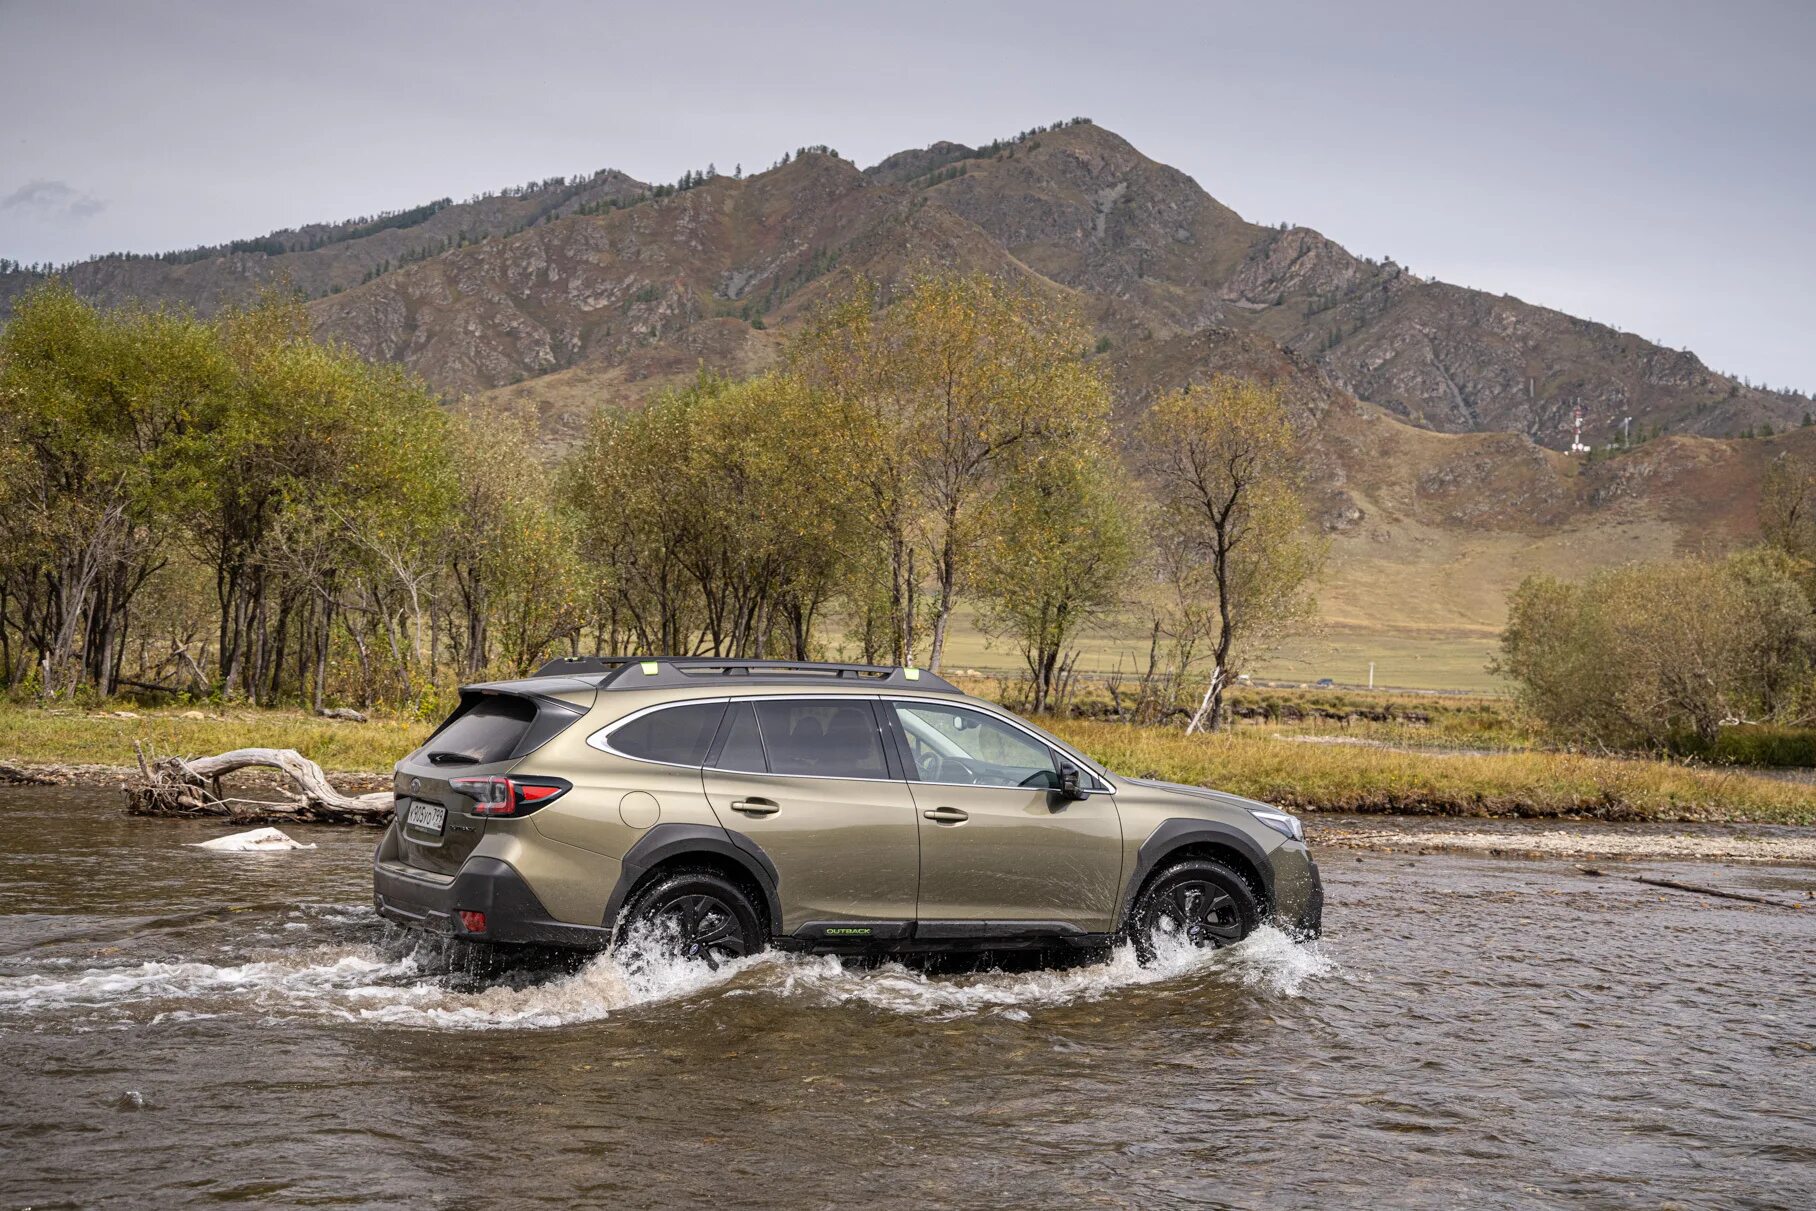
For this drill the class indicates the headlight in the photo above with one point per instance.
(1280, 822)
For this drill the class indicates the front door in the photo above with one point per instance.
(808, 781)
(999, 844)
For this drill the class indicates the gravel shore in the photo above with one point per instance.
(1575, 841)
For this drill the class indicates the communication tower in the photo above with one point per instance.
(1577, 445)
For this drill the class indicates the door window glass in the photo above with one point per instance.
(822, 737)
(743, 747)
(677, 735)
(952, 744)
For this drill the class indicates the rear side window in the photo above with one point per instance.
(743, 747)
(677, 735)
(825, 739)
(484, 729)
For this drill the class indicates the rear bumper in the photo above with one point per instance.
(514, 916)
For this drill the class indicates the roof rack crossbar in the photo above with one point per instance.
(656, 672)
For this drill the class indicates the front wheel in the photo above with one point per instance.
(1199, 902)
(697, 915)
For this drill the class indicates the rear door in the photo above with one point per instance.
(998, 842)
(811, 781)
(487, 733)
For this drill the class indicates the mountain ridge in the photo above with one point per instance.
(487, 293)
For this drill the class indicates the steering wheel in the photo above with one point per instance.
(937, 767)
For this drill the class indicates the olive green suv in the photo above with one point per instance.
(728, 806)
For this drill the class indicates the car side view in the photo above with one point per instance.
(725, 806)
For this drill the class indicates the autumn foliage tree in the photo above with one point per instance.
(950, 391)
(1224, 462)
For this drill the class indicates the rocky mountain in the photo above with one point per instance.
(327, 258)
(618, 282)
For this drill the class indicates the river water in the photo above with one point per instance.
(179, 1026)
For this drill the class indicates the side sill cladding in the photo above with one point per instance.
(1176, 834)
(666, 841)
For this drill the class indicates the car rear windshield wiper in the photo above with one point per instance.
(443, 757)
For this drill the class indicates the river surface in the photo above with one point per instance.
(180, 1027)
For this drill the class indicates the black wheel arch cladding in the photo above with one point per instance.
(1175, 839)
(663, 844)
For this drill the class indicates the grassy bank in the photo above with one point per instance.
(1292, 766)
(54, 737)
(1358, 778)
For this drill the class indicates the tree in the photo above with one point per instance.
(100, 412)
(1646, 652)
(1223, 459)
(944, 394)
(1054, 560)
(741, 540)
(1787, 505)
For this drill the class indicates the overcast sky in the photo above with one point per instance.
(1647, 164)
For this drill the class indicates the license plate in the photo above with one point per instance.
(427, 816)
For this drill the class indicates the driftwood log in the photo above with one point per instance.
(178, 786)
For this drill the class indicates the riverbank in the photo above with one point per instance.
(1566, 839)
(96, 748)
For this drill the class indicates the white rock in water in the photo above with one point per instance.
(257, 841)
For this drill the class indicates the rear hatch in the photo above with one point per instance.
(491, 730)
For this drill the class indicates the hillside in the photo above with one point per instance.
(582, 273)
(326, 258)
(1437, 412)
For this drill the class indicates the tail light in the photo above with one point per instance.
(510, 796)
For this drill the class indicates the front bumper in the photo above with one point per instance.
(1298, 893)
(514, 916)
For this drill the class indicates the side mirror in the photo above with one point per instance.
(1068, 781)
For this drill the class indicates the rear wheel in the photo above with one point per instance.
(698, 915)
(1199, 902)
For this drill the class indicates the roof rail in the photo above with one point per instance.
(660, 672)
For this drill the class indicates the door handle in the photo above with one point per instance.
(754, 807)
(946, 815)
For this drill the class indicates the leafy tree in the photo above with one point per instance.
(738, 544)
(1787, 505)
(1058, 546)
(1223, 459)
(100, 410)
(944, 394)
(1638, 654)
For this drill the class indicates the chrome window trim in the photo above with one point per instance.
(599, 739)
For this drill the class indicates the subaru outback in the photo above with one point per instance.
(731, 806)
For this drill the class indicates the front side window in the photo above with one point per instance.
(824, 738)
(954, 744)
(676, 735)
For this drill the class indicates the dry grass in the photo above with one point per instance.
(1257, 761)
(56, 737)
(1362, 778)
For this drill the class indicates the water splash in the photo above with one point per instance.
(370, 984)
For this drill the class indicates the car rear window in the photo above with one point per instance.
(677, 735)
(487, 728)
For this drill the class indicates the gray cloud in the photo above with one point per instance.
(53, 199)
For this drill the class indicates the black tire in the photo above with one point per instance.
(693, 914)
(1207, 901)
